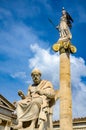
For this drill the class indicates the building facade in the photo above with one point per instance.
(6, 113)
(78, 124)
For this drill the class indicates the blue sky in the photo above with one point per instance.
(26, 38)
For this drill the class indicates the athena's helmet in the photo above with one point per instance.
(63, 11)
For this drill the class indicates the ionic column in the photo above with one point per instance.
(65, 48)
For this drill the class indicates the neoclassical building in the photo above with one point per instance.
(78, 124)
(6, 113)
(7, 117)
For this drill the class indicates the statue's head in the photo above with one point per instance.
(63, 11)
(36, 76)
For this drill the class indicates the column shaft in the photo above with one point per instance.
(65, 93)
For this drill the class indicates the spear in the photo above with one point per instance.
(52, 23)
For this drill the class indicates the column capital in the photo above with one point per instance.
(64, 46)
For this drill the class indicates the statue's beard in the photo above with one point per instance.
(36, 81)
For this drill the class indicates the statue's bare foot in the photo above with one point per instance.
(19, 126)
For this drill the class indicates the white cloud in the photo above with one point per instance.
(21, 75)
(78, 70)
(49, 65)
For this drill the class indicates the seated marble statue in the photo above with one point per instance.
(37, 104)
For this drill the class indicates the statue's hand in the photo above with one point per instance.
(21, 94)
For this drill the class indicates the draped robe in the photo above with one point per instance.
(36, 105)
